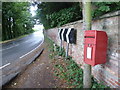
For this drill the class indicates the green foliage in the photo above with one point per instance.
(64, 16)
(98, 85)
(67, 69)
(57, 14)
(51, 7)
(16, 19)
(101, 8)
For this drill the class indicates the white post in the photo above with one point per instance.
(67, 50)
(61, 46)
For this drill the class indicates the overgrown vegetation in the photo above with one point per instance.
(64, 16)
(16, 19)
(55, 14)
(52, 14)
(100, 8)
(67, 69)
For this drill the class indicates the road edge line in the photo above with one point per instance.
(4, 65)
(30, 51)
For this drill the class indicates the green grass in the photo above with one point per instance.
(67, 69)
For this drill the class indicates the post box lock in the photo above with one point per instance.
(95, 47)
(89, 45)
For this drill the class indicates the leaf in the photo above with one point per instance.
(104, 8)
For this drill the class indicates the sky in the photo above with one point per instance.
(33, 9)
(38, 27)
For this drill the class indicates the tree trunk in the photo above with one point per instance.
(13, 28)
(87, 26)
(9, 28)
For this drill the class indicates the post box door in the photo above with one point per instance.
(89, 54)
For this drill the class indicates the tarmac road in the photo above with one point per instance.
(18, 49)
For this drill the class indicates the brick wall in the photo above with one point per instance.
(107, 73)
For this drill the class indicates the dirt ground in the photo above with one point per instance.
(38, 74)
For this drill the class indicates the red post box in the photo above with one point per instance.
(95, 47)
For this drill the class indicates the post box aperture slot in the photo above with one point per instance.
(89, 37)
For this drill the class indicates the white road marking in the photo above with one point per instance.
(30, 51)
(10, 47)
(4, 65)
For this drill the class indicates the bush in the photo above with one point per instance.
(101, 8)
(64, 16)
(74, 13)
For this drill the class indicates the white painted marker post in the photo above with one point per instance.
(68, 41)
(61, 46)
(67, 50)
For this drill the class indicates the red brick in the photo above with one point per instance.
(117, 82)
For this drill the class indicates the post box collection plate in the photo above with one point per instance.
(89, 52)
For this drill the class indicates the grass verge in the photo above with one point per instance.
(67, 69)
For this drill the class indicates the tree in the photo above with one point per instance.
(16, 19)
